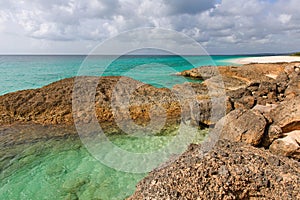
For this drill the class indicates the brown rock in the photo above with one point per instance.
(52, 104)
(282, 82)
(246, 102)
(228, 171)
(287, 115)
(293, 88)
(265, 109)
(287, 146)
(246, 126)
(274, 132)
(242, 75)
(201, 72)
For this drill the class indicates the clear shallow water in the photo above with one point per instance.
(27, 72)
(63, 169)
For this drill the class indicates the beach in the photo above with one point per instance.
(266, 59)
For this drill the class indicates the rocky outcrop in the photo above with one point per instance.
(266, 83)
(229, 171)
(275, 127)
(265, 107)
(52, 104)
(265, 114)
(246, 74)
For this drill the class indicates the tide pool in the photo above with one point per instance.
(64, 169)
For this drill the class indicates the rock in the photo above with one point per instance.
(229, 171)
(246, 102)
(287, 115)
(287, 146)
(246, 126)
(292, 85)
(265, 88)
(293, 88)
(274, 132)
(282, 82)
(265, 109)
(241, 98)
(52, 104)
(245, 74)
(202, 73)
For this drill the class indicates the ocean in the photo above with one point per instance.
(28, 72)
(63, 168)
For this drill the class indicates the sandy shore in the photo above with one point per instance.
(266, 59)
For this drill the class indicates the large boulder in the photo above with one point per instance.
(241, 125)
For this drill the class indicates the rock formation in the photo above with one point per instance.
(52, 104)
(230, 171)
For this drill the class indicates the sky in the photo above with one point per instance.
(78, 26)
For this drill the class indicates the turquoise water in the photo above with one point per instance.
(63, 168)
(27, 72)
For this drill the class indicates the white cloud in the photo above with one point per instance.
(284, 18)
(237, 26)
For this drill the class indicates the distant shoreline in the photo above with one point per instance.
(266, 59)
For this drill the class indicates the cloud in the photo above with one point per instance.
(189, 6)
(235, 26)
(284, 18)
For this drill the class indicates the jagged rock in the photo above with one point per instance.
(287, 146)
(228, 171)
(245, 74)
(265, 109)
(293, 88)
(282, 82)
(246, 102)
(274, 132)
(52, 104)
(202, 73)
(287, 115)
(246, 126)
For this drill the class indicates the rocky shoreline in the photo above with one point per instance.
(229, 171)
(257, 156)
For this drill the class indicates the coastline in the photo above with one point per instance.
(268, 103)
(265, 59)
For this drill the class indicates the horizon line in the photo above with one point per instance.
(246, 54)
